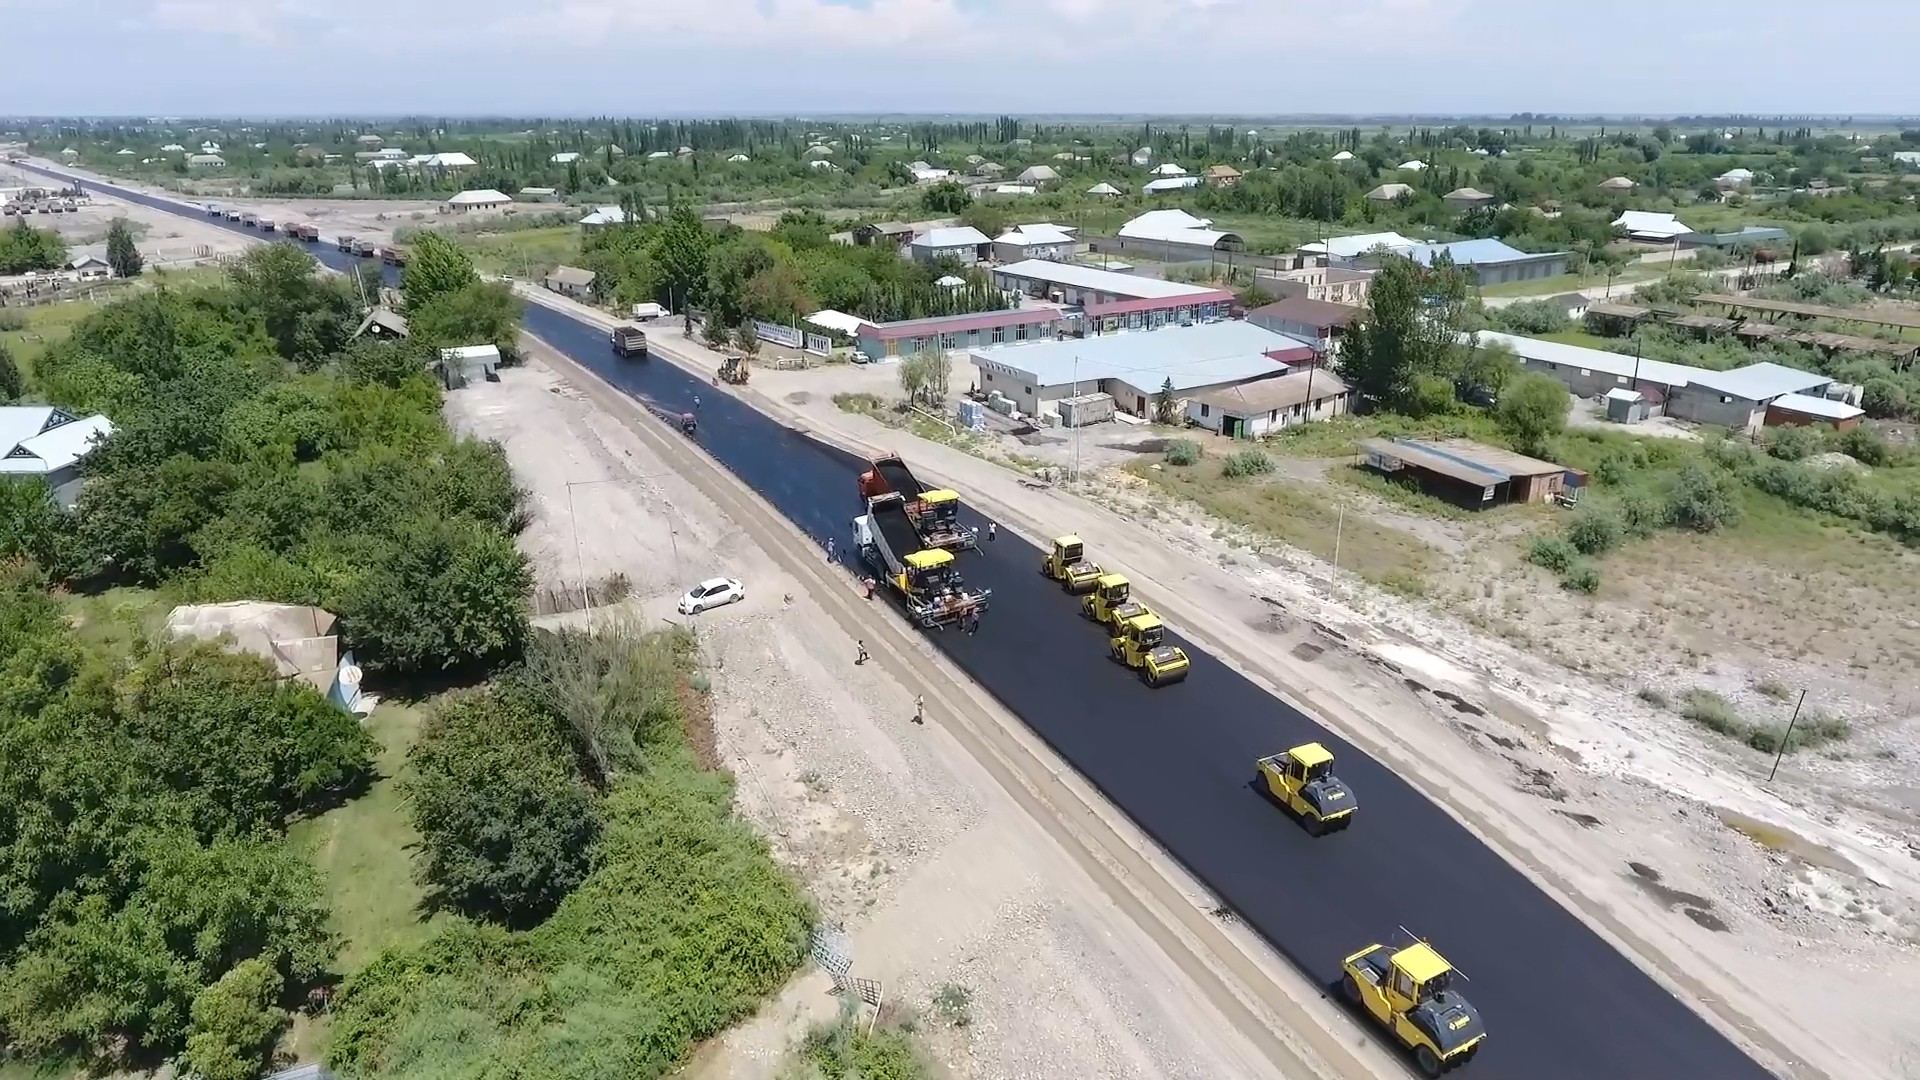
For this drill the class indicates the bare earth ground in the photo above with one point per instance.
(936, 875)
(1791, 910)
(164, 239)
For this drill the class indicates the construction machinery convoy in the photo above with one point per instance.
(934, 512)
(1067, 564)
(1302, 781)
(927, 578)
(1410, 992)
(1139, 642)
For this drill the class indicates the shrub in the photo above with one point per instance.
(1702, 500)
(1866, 446)
(1553, 552)
(1532, 410)
(1654, 697)
(1246, 463)
(234, 1023)
(1641, 515)
(1582, 577)
(1796, 443)
(1594, 530)
(1774, 689)
(1183, 452)
(954, 1003)
(12, 319)
(1883, 398)
(1713, 712)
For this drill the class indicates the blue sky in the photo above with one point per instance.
(1255, 57)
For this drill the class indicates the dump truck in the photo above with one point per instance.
(1067, 564)
(1301, 780)
(629, 341)
(344, 243)
(935, 512)
(249, 219)
(393, 256)
(1410, 992)
(366, 249)
(1139, 641)
(927, 579)
(266, 225)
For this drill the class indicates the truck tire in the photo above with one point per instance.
(1429, 1062)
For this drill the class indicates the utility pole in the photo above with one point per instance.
(1073, 477)
(1788, 737)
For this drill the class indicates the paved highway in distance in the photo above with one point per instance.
(1559, 1002)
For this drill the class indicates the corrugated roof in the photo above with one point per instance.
(1300, 309)
(37, 439)
(1389, 192)
(1470, 252)
(481, 196)
(837, 321)
(1174, 226)
(1190, 356)
(1761, 382)
(1648, 223)
(960, 324)
(1034, 234)
(1579, 357)
(1266, 395)
(1824, 408)
(571, 275)
(1106, 281)
(1346, 247)
(1170, 183)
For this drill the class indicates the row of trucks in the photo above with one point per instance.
(910, 534)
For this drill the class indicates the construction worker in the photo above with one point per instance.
(829, 549)
(992, 530)
(919, 709)
(862, 658)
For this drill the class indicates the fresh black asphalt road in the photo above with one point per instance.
(1559, 1002)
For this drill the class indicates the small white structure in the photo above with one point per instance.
(963, 243)
(173, 148)
(1416, 165)
(836, 322)
(1142, 157)
(603, 216)
(1339, 248)
(1386, 193)
(1618, 184)
(89, 268)
(565, 157)
(40, 441)
(822, 165)
(1041, 241)
(461, 365)
(1168, 169)
(1170, 183)
(1734, 179)
(206, 161)
(1344, 155)
(123, 152)
(1013, 189)
(1650, 226)
(738, 158)
(1103, 190)
(950, 281)
(930, 175)
(658, 155)
(452, 160)
(1038, 174)
(570, 281)
(1177, 232)
(480, 199)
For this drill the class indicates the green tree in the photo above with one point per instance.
(122, 256)
(235, 1022)
(679, 256)
(1489, 368)
(713, 333)
(11, 384)
(1702, 499)
(1532, 411)
(442, 594)
(482, 313)
(306, 315)
(435, 267)
(1166, 408)
(923, 376)
(1410, 330)
(506, 821)
(31, 524)
(1883, 398)
(945, 197)
(24, 248)
(747, 339)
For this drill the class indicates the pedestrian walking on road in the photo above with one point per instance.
(919, 709)
(862, 658)
(992, 529)
(829, 549)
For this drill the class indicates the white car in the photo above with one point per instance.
(712, 593)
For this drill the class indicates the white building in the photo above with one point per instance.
(45, 443)
(1341, 249)
(1176, 234)
(1168, 169)
(1041, 241)
(89, 268)
(1103, 190)
(482, 199)
(1133, 367)
(1260, 408)
(1416, 165)
(1649, 226)
(963, 243)
(1038, 174)
(451, 160)
(603, 216)
(1619, 184)
(1734, 179)
(1386, 193)
(565, 157)
(1170, 183)
(927, 174)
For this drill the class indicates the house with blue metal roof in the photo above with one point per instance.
(1492, 262)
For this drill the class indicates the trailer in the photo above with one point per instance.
(934, 512)
(927, 579)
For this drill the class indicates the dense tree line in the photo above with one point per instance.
(141, 874)
(258, 455)
(24, 248)
(779, 276)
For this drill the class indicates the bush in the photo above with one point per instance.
(1594, 530)
(1183, 452)
(234, 1023)
(1246, 463)
(1713, 712)
(1653, 696)
(1641, 515)
(1865, 445)
(1883, 399)
(1702, 500)
(1553, 552)
(1581, 577)
(1533, 317)
(1796, 443)
(1532, 410)
(12, 319)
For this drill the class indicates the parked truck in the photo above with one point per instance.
(344, 243)
(393, 256)
(934, 512)
(927, 578)
(629, 341)
(366, 249)
(249, 219)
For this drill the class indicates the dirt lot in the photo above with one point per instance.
(165, 239)
(1790, 910)
(937, 876)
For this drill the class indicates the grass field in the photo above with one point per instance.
(523, 253)
(115, 619)
(1300, 518)
(1584, 339)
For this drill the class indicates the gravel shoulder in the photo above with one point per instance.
(937, 876)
